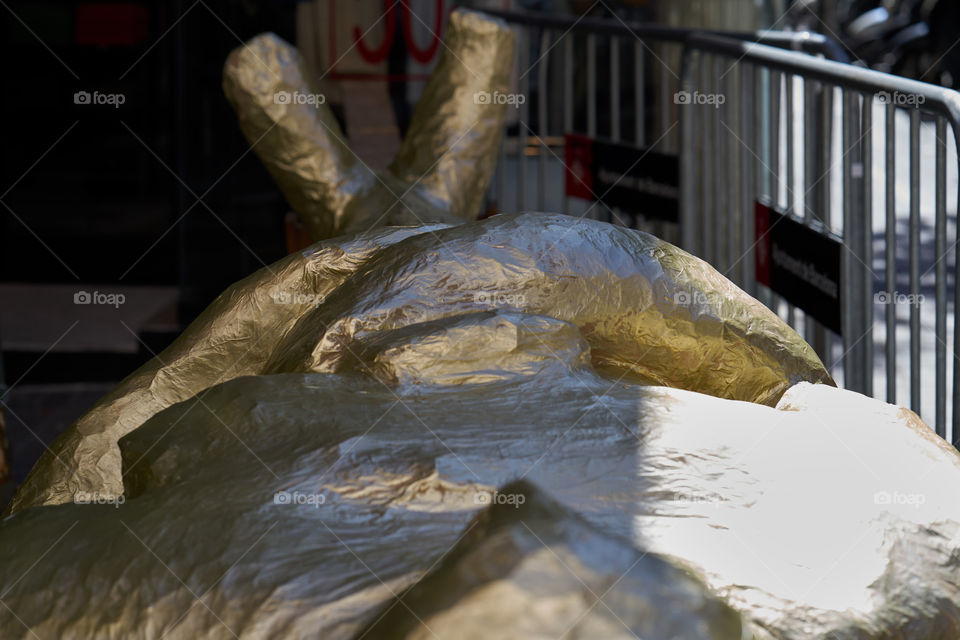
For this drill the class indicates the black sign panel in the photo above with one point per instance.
(799, 264)
(636, 180)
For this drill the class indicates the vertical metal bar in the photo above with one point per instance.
(592, 85)
(543, 132)
(915, 259)
(568, 95)
(809, 169)
(666, 93)
(592, 92)
(615, 88)
(941, 278)
(720, 228)
(706, 202)
(690, 220)
(890, 251)
(955, 395)
(775, 138)
(850, 307)
(824, 182)
(865, 248)
(639, 94)
(747, 174)
(775, 157)
(791, 169)
(761, 175)
(523, 54)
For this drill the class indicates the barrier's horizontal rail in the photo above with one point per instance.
(806, 41)
(945, 101)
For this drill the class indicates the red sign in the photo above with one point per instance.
(578, 160)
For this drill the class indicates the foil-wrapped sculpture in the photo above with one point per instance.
(528, 426)
(444, 164)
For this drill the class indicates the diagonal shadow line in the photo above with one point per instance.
(557, 41)
(42, 156)
(596, 599)
(398, 199)
(380, 580)
(333, 64)
(202, 403)
(218, 580)
(157, 41)
(37, 361)
(200, 198)
(34, 434)
(197, 201)
(37, 561)
(439, 558)
(640, 40)
(40, 40)
(444, 44)
(185, 586)
(791, 195)
(239, 39)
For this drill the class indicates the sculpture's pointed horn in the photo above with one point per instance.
(293, 131)
(450, 150)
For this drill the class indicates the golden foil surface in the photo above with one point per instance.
(444, 165)
(529, 426)
(649, 312)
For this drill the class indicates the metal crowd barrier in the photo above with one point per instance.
(832, 146)
(561, 62)
(821, 142)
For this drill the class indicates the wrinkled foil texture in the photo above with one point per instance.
(440, 173)
(649, 312)
(472, 419)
